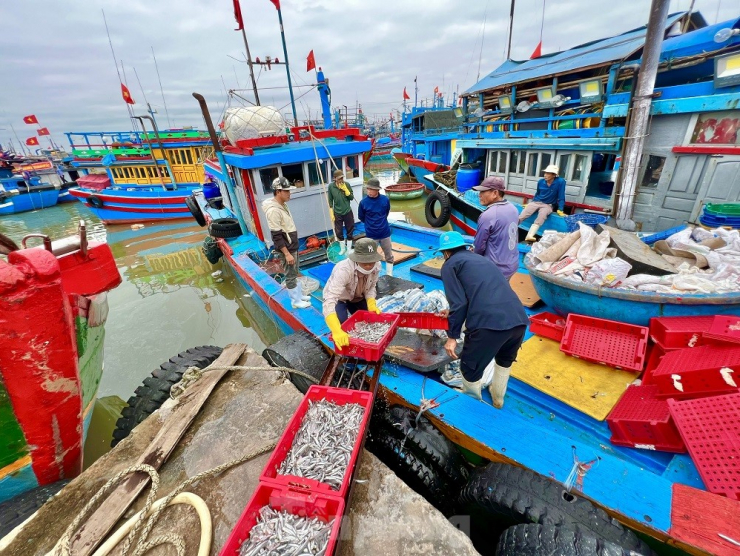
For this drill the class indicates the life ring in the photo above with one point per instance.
(95, 201)
(437, 220)
(194, 209)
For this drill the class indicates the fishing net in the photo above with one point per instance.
(308, 284)
(252, 122)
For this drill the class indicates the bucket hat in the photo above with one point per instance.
(282, 184)
(451, 240)
(373, 183)
(552, 169)
(365, 251)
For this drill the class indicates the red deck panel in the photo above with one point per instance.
(699, 517)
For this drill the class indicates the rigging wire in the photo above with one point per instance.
(169, 123)
(482, 39)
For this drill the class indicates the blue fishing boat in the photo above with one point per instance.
(19, 195)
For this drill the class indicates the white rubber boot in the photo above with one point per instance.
(389, 269)
(296, 301)
(498, 386)
(473, 389)
(531, 234)
(342, 247)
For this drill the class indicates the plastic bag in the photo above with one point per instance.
(593, 245)
(608, 272)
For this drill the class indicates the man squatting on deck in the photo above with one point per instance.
(351, 287)
(285, 238)
(550, 194)
(495, 322)
(340, 195)
(373, 211)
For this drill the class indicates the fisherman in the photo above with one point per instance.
(373, 211)
(351, 287)
(494, 324)
(550, 196)
(340, 195)
(498, 230)
(285, 238)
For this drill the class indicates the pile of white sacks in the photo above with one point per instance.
(706, 261)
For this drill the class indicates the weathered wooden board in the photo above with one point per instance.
(402, 252)
(524, 289)
(642, 258)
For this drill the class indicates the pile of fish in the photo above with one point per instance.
(285, 534)
(371, 332)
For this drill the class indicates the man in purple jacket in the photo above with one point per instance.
(498, 227)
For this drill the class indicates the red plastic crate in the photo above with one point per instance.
(608, 342)
(366, 350)
(340, 396)
(724, 329)
(641, 420)
(547, 325)
(700, 371)
(296, 502)
(424, 321)
(678, 332)
(654, 355)
(710, 428)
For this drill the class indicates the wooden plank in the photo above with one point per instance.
(430, 267)
(99, 524)
(642, 258)
(698, 517)
(524, 289)
(402, 252)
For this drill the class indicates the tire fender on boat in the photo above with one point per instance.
(301, 351)
(534, 539)
(194, 209)
(95, 201)
(225, 228)
(441, 219)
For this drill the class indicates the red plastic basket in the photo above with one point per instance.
(366, 350)
(654, 355)
(710, 427)
(547, 325)
(604, 341)
(641, 420)
(700, 371)
(296, 502)
(340, 396)
(724, 329)
(678, 332)
(425, 321)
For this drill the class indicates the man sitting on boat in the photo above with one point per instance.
(498, 230)
(550, 196)
(340, 195)
(373, 211)
(351, 287)
(285, 238)
(495, 321)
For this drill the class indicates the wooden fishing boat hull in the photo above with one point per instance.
(27, 201)
(144, 204)
(633, 307)
(404, 191)
(401, 158)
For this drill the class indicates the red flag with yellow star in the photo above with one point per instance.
(126, 95)
(30, 119)
(32, 141)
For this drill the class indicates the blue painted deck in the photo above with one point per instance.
(534, 429)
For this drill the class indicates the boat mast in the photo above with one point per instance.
(640, 116)
(287, 64)
(251, 68)
(511, 29)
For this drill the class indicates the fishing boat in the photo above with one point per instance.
(18, 195)
(32, 182)
(53, 309)
(138, 176)
(401, 158)
(404, 191)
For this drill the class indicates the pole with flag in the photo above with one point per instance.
(405, 98)
(20, 143)
(310, 61)
(240, 27)
(276, 3)
(416, 92)
(538, 51)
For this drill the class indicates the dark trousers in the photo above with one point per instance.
(345, 308)
(482, 346)
(344, 221)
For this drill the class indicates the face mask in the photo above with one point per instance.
(363, 271)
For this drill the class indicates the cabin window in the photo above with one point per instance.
(352, 163)
(150, 171)
(336, 164)
(545, 161)
(266, 177)
(492, 161)
(188, 156)
(293, 173)
(518, 161)
(532, 164)
(564, 165)
(127, 171)
(653, 170)
(579, 168)
(314, 178)
(502, 156)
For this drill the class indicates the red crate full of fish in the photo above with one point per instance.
(369, 351)
(696, 372)
(323, 431)
(641, 420)
(318, 509)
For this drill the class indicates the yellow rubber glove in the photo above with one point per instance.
(371, 306)
(344, 188)
(561, 213)
(340, 337)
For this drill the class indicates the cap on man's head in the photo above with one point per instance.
(338, 174)
(365, 251)
(281, 184)
(491, 183)
(373, 183)
(552, 169)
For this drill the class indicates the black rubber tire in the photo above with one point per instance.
(15, 511)
(95, 201)
(415, 472)
(301, 351)
(441, 219)
(155, 389)
(426, 441)
(194, 209)
(515, 495)
(225, 227)
(544, 540)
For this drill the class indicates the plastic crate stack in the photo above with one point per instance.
(716, 215)
(302, 496)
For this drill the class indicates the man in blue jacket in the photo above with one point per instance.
(550, 196)
(373, 211)
(494, 318)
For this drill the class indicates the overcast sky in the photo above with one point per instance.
(56, 63)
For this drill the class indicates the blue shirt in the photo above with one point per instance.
(479, 295)
(554, 193)
(497, 237)
(374, 213)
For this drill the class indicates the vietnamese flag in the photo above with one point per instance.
(537, 51)
(30, 119)
(43, 131)
(310, 62)
(277, 4)
(32, 142)
(238, 16)
(405, 94)
(126, 94)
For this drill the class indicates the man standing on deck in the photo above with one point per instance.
(495, 321)
(550, 196)
(285, 238)
(340, 195)
(498, 229)
(373, 211)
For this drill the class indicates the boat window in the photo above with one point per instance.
(653, 170)
(545, 161)
(293, 173)
(579, 168)
(266, 177)
(188, 156)
(332, 167)
(150, 171)
(492, 161)
(532, 164)
(502, 157)
(564, 165)
(513, 161)
(127, 171)
(313, 174)
(352, 163)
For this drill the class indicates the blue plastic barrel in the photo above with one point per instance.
(467, 178)
(210, 190)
